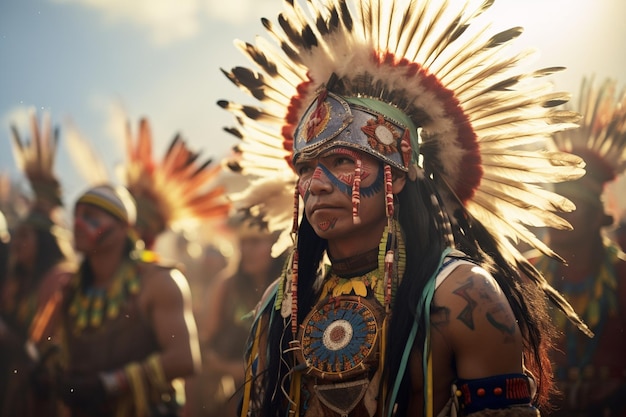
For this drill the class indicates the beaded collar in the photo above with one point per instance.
(358, 274)
(90, 306)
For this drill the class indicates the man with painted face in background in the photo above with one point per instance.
(128, 326)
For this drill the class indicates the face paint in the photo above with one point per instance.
(374, 187)
(343, 180)
(303, 187)
(366, 170)
(345, 177)
(327, 224)
(343, 190)
(317, 174)
(91, 229)
(337, 182)
(103, 233)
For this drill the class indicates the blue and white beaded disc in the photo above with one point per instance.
(339, 337)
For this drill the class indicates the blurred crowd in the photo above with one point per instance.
(106, 307)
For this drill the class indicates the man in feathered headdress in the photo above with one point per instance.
(40, 265)
(404, 128)
(591, 373)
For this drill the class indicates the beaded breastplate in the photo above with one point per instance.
(340, 338)
(339, 345)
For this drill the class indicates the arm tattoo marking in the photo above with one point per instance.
(466, 315)
(501, 320)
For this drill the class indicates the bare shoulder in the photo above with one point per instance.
(480, 322)
(162, 281)
(58, 276)
(468, 281)
(470, 293)
(154, 271)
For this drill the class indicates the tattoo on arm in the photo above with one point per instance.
(502, 320)
(467, 314)
(497, 315)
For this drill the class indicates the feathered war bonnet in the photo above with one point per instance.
(600, 141)
(418, 83)
(177, 192)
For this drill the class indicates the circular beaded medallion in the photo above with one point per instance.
(339, 337)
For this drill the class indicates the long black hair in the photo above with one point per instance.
(310, 248)
(49, 252)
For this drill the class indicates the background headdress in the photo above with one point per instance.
(601, 138)
(262, 205)
(35, 157)
(178, 191)
(484, 122)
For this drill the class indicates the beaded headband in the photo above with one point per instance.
(368, 125)
(116, 201)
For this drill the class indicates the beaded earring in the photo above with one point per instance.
(389, 250)
(294, 265)
(356, 192)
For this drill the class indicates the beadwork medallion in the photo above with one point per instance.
(339, 338)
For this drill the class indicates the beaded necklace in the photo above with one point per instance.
(353, 275)
(90, 305)
(346, 276)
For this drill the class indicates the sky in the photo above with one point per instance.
(90, 62)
